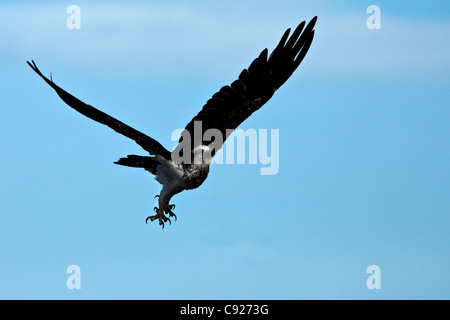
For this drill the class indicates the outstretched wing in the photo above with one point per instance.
(229, 107)
(147, 143)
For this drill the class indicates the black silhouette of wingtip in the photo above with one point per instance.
(313, 21)
(34, 66)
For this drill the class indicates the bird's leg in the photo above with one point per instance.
(164, 207)
(163, 200)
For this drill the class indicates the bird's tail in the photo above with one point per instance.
(138, 162)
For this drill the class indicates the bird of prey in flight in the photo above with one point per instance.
(187, 166)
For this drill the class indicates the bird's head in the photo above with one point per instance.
(202, 155)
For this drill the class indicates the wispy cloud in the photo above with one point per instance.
(184, 40)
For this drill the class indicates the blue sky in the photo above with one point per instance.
(364, 150)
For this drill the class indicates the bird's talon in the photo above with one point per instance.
(171, 214)
(151, 218)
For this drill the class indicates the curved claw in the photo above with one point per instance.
(155, 209)
(171, 214)
(162, 220)
(157, 196)
(153, 218)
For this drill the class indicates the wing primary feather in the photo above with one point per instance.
(295, 34)
(282, 41)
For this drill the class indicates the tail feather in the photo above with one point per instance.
(138, 162)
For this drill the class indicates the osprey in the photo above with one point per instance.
(187, 166)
